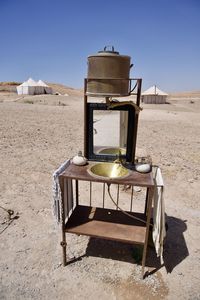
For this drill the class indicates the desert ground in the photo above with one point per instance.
(37, 134)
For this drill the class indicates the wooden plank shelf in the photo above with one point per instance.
(107, 224)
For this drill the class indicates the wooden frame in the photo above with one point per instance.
(90, 154)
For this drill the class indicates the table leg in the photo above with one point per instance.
(63, 242)
(64, 246)
(149, 206)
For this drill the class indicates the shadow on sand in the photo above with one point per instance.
(175, 249)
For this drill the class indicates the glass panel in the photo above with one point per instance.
(110, 132)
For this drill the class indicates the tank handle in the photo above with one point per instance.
(107, 47)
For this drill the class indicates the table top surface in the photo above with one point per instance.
(133, 178)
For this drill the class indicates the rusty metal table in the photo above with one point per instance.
(101, 222)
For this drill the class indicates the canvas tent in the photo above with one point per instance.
(27, 87)
(154, 95)
(31, 87)
(46, 89)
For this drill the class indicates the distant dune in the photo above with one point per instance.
(193, 94)
(9, 87)
(63, 89)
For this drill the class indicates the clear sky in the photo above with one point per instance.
(51, 39)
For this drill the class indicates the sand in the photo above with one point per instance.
(37, 134)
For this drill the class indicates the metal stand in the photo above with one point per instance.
(101, 222)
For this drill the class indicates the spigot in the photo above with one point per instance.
(119, 160)
(114, 104)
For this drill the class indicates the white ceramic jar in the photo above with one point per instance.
(79, 159)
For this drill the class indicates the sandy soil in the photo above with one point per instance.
(37, 134)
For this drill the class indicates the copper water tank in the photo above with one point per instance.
(108, 74)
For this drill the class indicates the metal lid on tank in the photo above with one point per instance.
(108, 51)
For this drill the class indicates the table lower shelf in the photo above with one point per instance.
(107, 224)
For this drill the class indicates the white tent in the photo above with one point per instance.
(46, 89)
(31, 87)
(27, 87)
(154, 95)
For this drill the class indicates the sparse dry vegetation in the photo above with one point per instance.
(3, 83)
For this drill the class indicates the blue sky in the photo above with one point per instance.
(51, 39)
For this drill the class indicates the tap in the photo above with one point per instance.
(113, 104)
(119, 160)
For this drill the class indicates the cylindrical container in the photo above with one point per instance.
(108, 74)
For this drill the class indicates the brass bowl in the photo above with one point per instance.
(108, 170)
(113, 151)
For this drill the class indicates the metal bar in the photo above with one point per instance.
(136, 118)
(90, 193)
(77, 196)
(139, 85)
(103, 195)
(131, 207)
(149, 206)
(146, 200)
(66, 195)
(110, 78)
(117, 196)
(85, 120)
(72, 193)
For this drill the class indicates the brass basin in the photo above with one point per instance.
(108, 170)
(113, 151)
